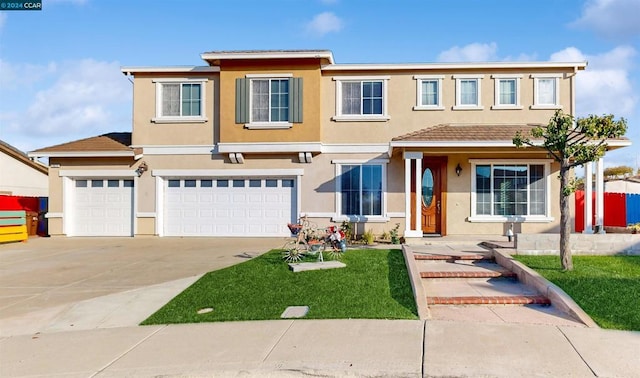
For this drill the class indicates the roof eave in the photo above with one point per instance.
(444, 66)
(50, 154)
(130, 70)
(253, 55)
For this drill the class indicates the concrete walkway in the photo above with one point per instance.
(97, 335)
(334, 348)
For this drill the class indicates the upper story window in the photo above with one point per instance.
(507, 92)
(429, 92)
(510, 190)
(268, 101)
(361, 98)
(546, 91)
(180, 100)
(468, 92)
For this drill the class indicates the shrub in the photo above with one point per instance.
(368, 237)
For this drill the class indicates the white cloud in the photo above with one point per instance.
(604, 87)
(88, 98)
(611, 18)
(14, 75)
(474, 52)
(324, 23)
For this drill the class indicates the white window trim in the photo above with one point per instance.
(159, 118)
(266, 125)
(339, 217)
(515, 218)
(497, 105)
(339, 117)
(269, 76)
(477, 106)
(419, 79)
(536, 78)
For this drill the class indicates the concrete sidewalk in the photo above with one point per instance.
(334, 348)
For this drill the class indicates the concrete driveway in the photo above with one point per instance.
(55, 284)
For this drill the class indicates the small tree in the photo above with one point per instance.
(617, 172)
(572, 144)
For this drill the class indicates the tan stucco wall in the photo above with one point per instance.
(307, 131)
(146, 226)
(147, 132)
(459, 198)
(401, 98)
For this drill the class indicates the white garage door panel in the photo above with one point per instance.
(222, 207)
(102, 208)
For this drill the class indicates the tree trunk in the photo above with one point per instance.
(565, 217)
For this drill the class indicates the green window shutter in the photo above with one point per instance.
(295, 102)
(242, 100)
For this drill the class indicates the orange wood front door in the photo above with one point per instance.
(432, 213)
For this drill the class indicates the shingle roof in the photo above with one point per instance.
(459, 133)
(107, 142)
(21, 156)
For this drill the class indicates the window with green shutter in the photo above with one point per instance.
(268, 102)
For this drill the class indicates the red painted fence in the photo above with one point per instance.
(35, 208)
(615, 210)
(19, 203)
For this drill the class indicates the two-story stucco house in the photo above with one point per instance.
(254, 139)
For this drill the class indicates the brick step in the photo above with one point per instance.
(451, 257)
(459, 274)
(492, 300)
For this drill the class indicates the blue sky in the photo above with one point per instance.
(60, 76)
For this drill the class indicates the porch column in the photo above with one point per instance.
(588, 199)
(407, 194)
(600, 195)
(416, 231)
(419, 195)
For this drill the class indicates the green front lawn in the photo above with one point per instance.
(374, 285)
(606, 287)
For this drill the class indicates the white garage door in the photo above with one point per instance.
(102, 207)
(229, 207)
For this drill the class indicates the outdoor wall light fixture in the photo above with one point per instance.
(142, 168)
(458, 169)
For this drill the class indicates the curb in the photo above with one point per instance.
(419, 294)
(561, 300)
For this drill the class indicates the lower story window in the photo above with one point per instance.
(510, 190)
(361, 189)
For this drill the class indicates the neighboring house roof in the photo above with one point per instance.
(634, 179)
(15, 153)
(106, 145)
